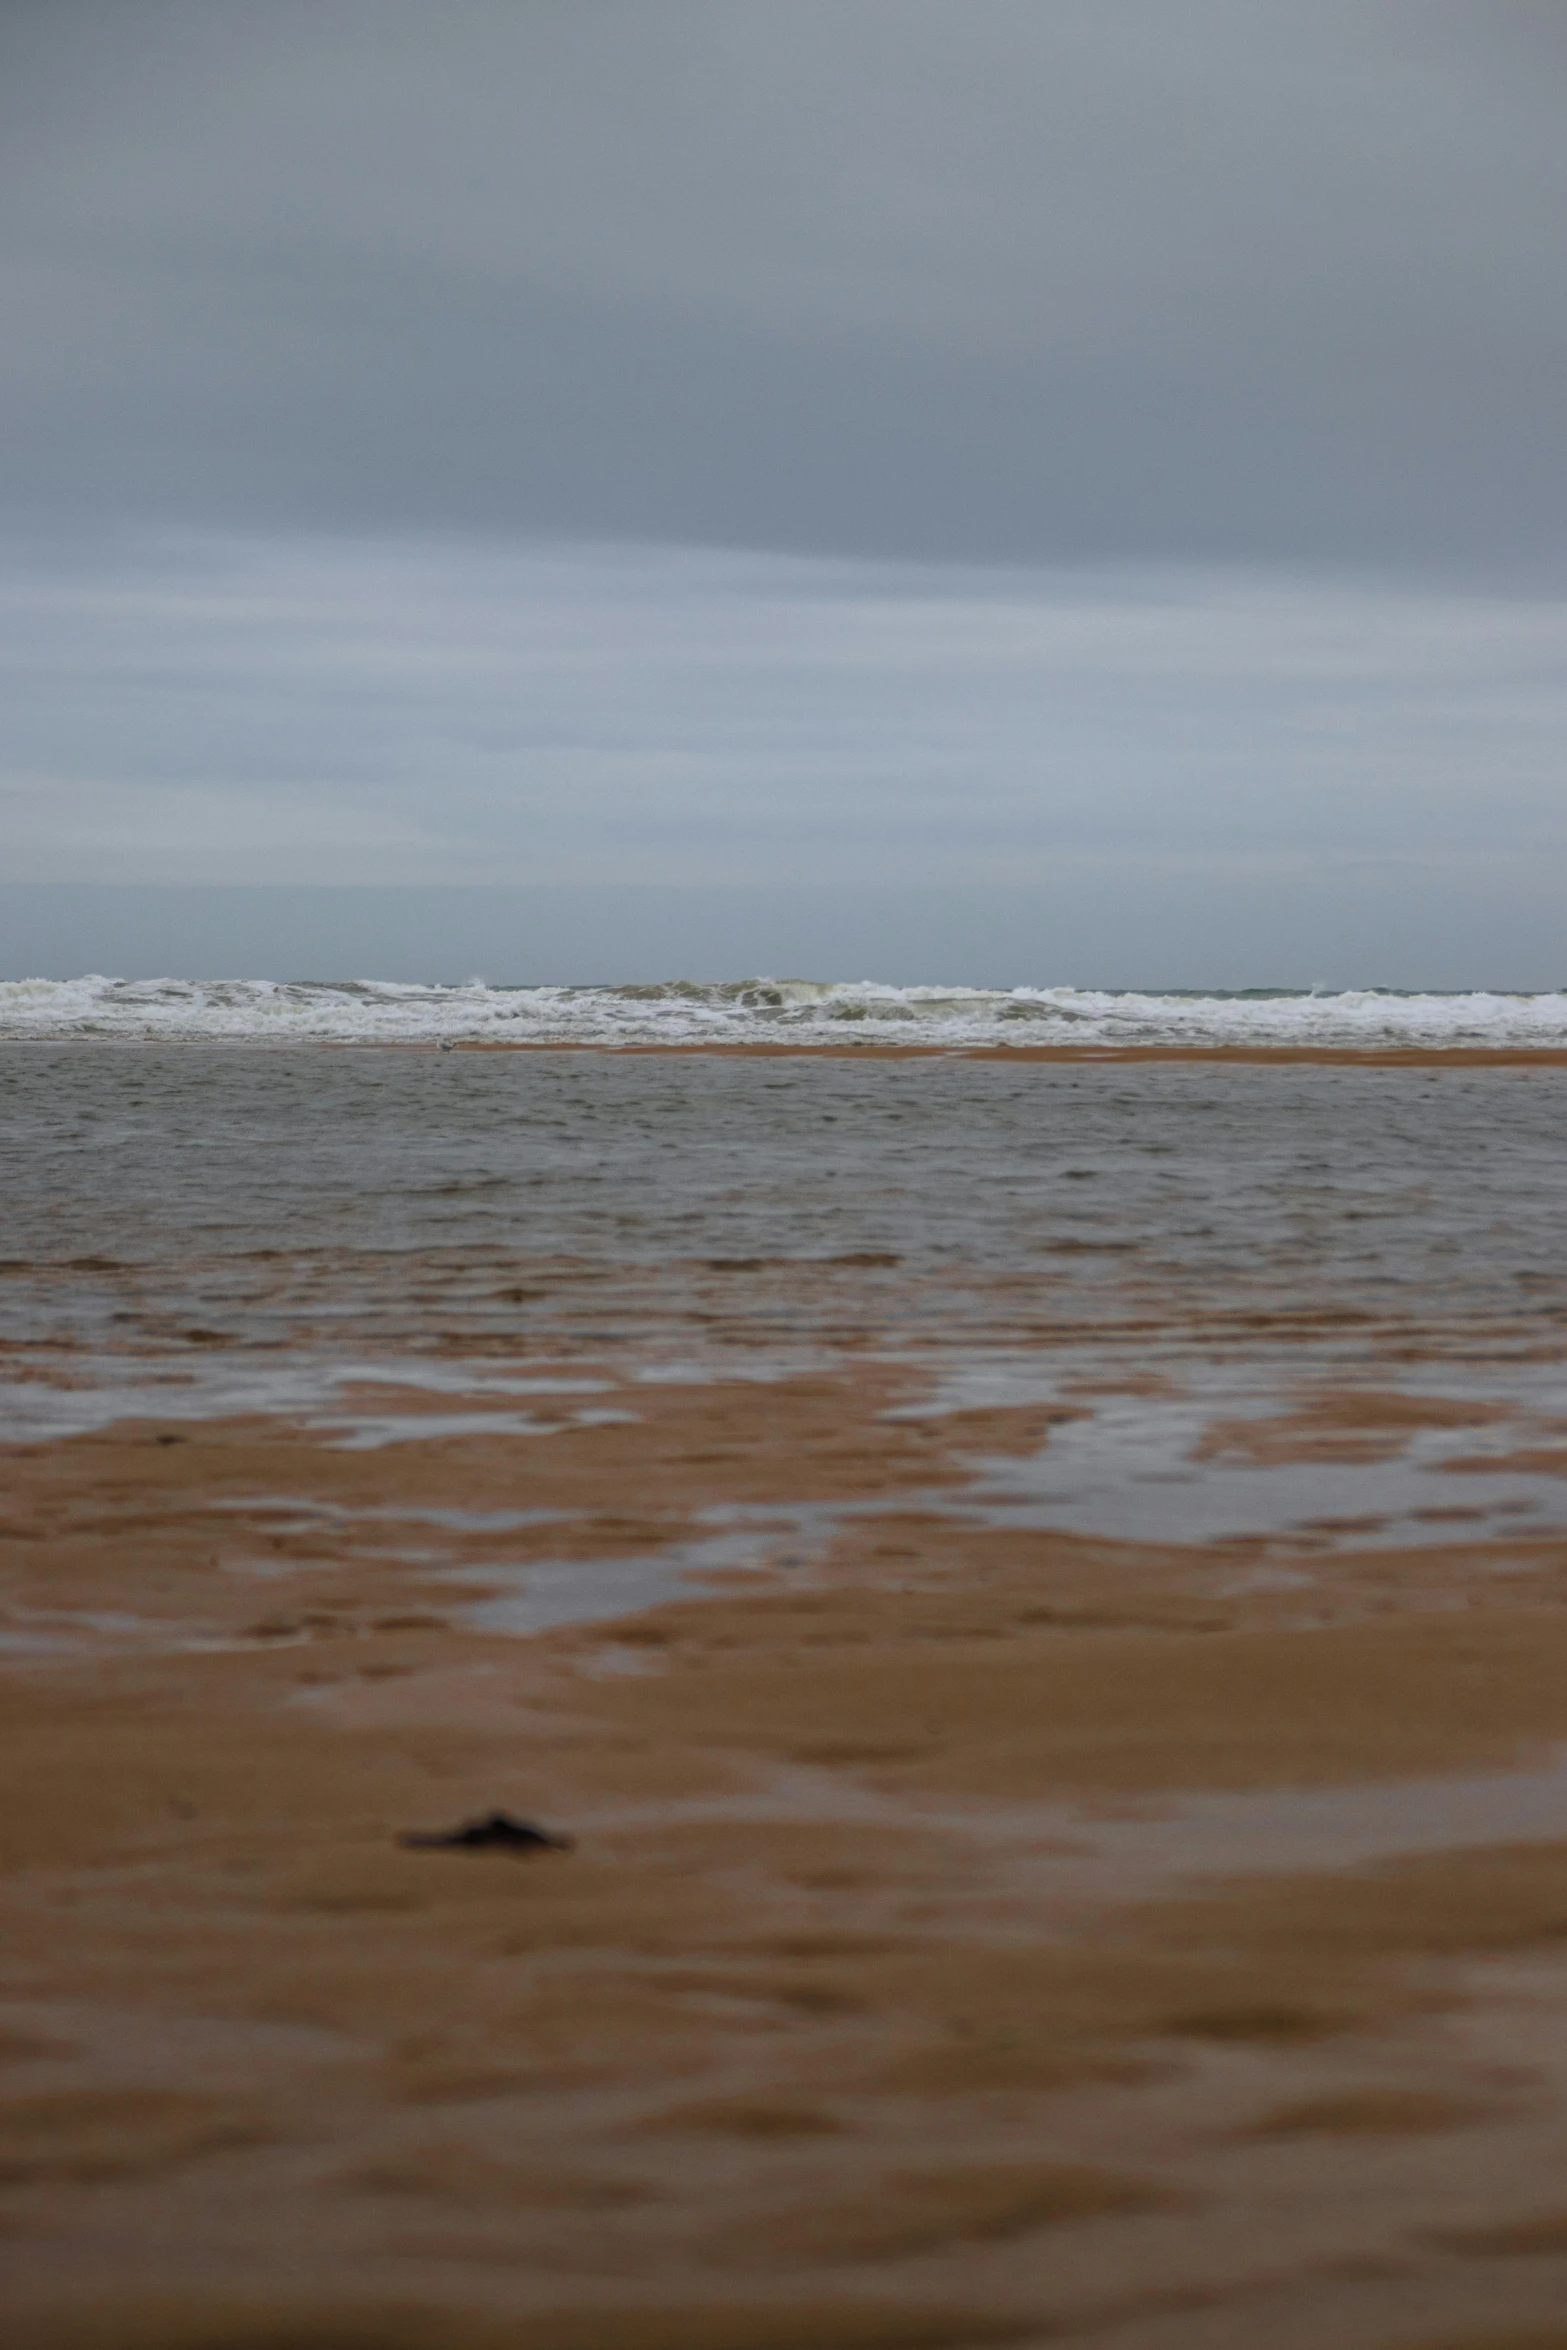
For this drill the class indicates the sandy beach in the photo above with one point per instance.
(1262, 1056)
(973, 1929)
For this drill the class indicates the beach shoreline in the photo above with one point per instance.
(1237, 1056)
(1231, 1056)
(1041, 1611)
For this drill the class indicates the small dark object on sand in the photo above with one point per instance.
(496, 1832)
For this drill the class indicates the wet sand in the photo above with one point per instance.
(974, 1932)
(1040, 1607)
(1063, 1055)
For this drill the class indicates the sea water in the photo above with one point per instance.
(198, 1228)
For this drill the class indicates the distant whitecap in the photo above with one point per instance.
(682, 1011)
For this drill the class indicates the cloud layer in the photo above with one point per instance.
(290, 712)
(1243, 279)
(1145, 422)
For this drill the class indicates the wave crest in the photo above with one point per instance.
(681, 1011)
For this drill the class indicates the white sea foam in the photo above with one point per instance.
(264, 1011)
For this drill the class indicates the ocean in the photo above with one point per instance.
(679, 1011)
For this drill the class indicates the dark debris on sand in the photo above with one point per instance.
(497, 1831)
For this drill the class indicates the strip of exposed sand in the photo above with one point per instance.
(1262, 1056)
(1234, 1055)
(972, 1933)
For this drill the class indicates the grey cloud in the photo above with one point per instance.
(396, 712)
(985, 278)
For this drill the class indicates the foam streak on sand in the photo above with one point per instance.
(759, 1010)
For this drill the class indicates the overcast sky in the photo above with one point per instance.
(1016, 444)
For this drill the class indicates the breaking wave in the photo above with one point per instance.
(265, 1011)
